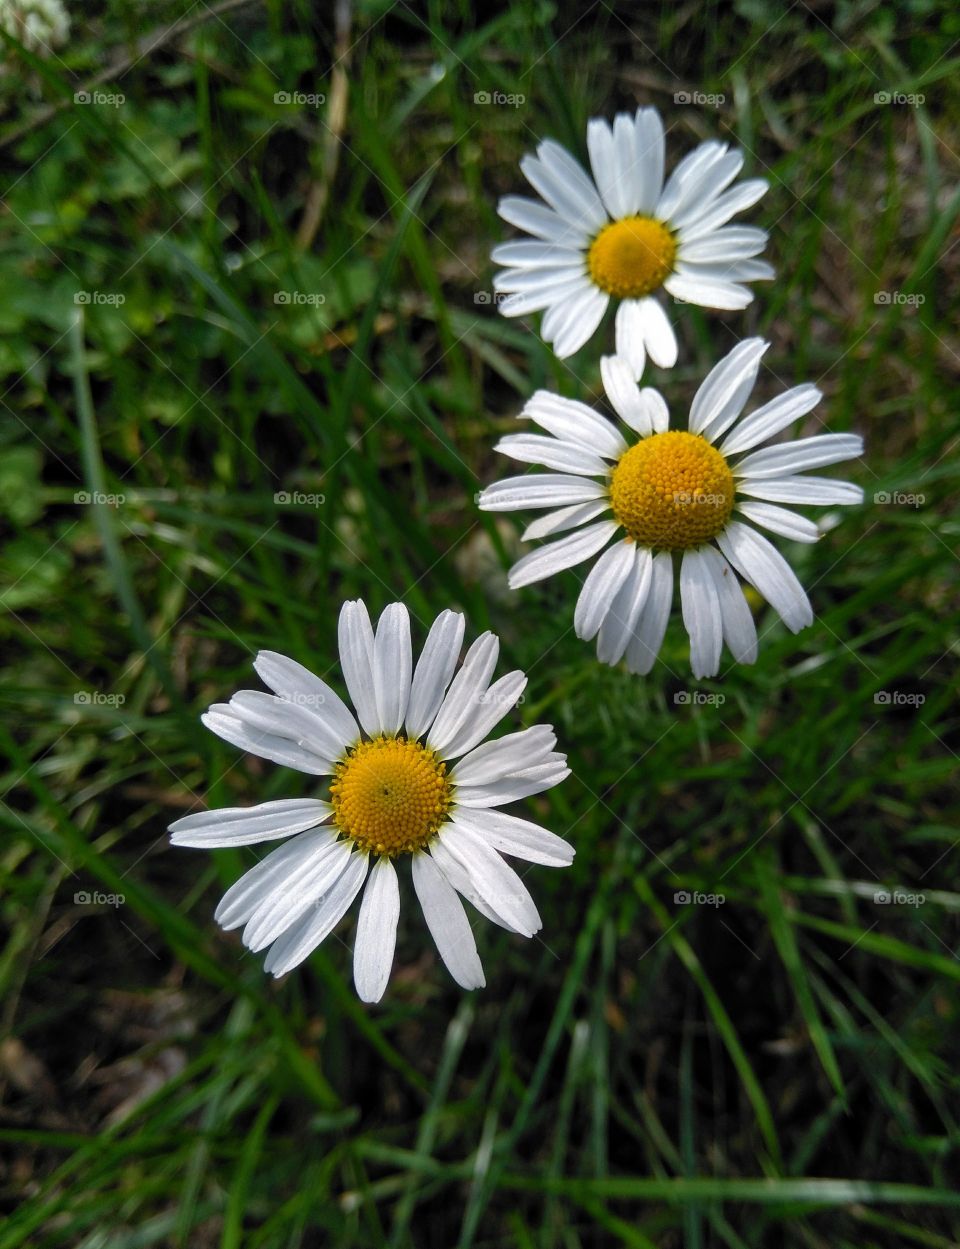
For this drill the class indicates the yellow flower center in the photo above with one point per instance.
(672, 491)
(632, 257)
(390, 795)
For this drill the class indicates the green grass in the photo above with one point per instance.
(779, 1070)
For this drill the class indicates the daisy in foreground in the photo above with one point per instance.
(623, 234)
(392, 793)
(687, 492)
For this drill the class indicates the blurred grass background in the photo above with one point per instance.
(295, 402)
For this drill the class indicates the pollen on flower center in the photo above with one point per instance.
(632, 257)
(672, 491)
(390, 795)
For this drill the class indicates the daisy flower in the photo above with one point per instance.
(623, 234)
(692, 492)
(411, 774)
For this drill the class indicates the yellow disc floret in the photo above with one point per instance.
(390, 795)
(632, 257)
(672, 491)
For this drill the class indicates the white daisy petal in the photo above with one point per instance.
(516, 837)
(220, 719)
(700, 607)
(460, 701)
(563, 519)
(601, 588)
(724, 245)
(255, 886)
(244, 826)
(706, 187)
(648, 137)
(457, 875)
(603, 165)
(493, 760)
(487, 710)
(656, 406)
(512, 788)
(572, 421)
(760, 563)
(448, 924)
(573, 198)
(813, 490)
(295, 683)
(376, 937)
(658, 335)
(355, 635)
(392, 663)
(714, 213)
(630, 337)
(494, 880)
(726, 296)
(626, 167)
(582, 317)
(534, 255)
(541, 221)
(265, 713)
(555, 283)
(690, 175)
(780, 520)
(621, 620)
(303, 937)
(434, 671)
(739, 630)
(564, 553)
(644, 646)
(796, 457)
(542, 295)
(299, 890)
(726, 388)
(624, 394)
(769, 420)
(535, 490)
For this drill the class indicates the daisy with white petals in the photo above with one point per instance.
(699, 493)
(411, 775)
(623, 234)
